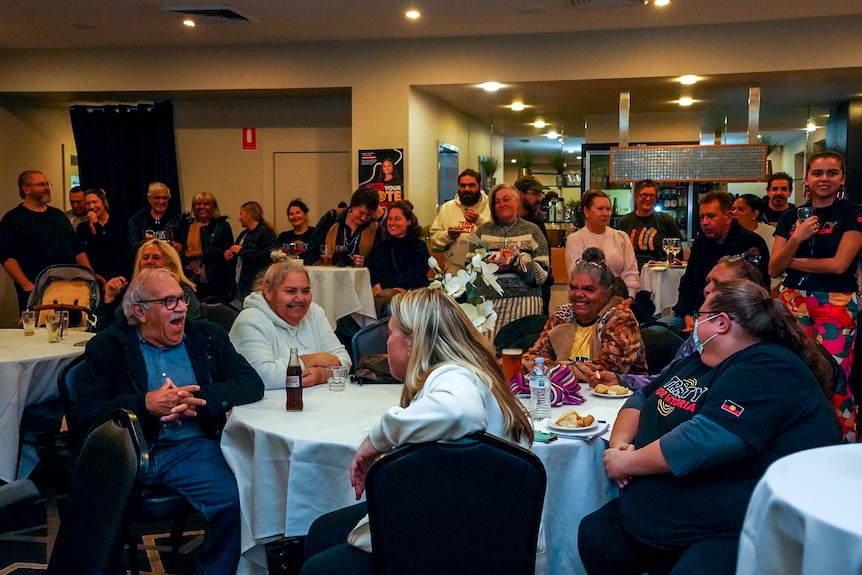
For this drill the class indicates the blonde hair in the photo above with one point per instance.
(274, 274)
(208, 198)
(441, 333)
(255, 212)
(171, 257)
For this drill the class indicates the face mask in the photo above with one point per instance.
(697, 343)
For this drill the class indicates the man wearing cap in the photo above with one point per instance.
(458, 218)
(645, 227)
(531, 191)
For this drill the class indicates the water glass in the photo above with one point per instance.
(52, 327)
(28, 318)
(337, 377)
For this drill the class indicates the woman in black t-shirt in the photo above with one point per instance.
(819, 255)
(688, 449)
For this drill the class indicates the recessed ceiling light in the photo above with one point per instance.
(539, 124)
(578, 157)
(491, 86)
(811, 127)
(661, 2)
(514, 160)
(189, 23)
(685, 101)
(552, 135)
(517, 106)
(413, 14)
(688, 79)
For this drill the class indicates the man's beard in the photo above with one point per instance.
(469, 199)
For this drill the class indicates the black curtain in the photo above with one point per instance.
(123, 148)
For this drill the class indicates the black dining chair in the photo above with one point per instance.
(468, 506)
(521, 333)
(370, 340)
(220, 313)
(661, 342)
(148, 505)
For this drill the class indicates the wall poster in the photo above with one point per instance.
(383, 170)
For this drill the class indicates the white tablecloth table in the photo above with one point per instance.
(29, 367)
(293, 467)
(663, 282)
(805, 515)
(343, 291)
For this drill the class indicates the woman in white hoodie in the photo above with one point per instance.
(280, 315)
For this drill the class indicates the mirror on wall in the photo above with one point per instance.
(447, 172)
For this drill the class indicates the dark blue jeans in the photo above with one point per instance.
(196, 469)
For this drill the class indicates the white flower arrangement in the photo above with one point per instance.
(467, 285)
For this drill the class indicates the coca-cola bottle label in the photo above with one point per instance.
(293, 381)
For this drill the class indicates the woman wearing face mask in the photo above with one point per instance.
(688, 449)
(820, 256)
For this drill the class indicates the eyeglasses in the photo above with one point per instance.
(160, 198)
(595, 264)
(171, 302)
(753, 259)
(40, 185)
(535, 192)
(647, 196)
(697, 314)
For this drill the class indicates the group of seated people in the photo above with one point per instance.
(748, 386)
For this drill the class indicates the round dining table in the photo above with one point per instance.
(805, 515)
(29, 366)
(292, 467)
(343, 291)
(663, 282)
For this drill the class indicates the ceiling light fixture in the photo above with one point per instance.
(688, 79)
(685, 101)
(491, 86)
(811, 127)
(189, 23)
(552, 135)
(517, 106)
(413, 14)
(514, 160)
(661, 2)
(539, 124)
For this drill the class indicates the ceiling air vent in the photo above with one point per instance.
(605, 3)
(209, 14)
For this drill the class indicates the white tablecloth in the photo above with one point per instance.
(663, 282)
(343, 291)
(29, 367)
(293, 467)
(805, 515)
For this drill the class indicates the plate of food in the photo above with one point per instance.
(614, 391)
(571, 421)
(658, 267)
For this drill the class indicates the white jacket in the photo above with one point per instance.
(265, 339)
(450, 215)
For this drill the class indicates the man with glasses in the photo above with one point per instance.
(532, 193)
(458, 218)
(778, 190)
(181, 379)
(645, 227)
(159, 221)
(34, 235)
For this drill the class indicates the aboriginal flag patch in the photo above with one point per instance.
(732, 408)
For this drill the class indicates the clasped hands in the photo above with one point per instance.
(172, 404)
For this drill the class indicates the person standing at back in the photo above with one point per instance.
(77, 213)
(34, 235)
(458, 218)
(251, 250)
(645, 227)
(155, 222)
(531, 192)
(778, 190)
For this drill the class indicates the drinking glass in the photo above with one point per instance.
(672, 247)
(28, 318)
(340, 257)
(511, 362)
(64, 322)
(337, 377)
(326, 254)
(52, 327)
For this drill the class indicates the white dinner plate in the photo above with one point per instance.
(552, 425)
(658, 268)
(593, 391)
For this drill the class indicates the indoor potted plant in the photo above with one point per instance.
(524, 162)
(490, 165)
(558, 162)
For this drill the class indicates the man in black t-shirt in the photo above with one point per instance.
(778, 189)
(34, 235)
(645, 227)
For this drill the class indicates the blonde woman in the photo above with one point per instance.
(151, 254)
(452, 387)
(206, 234)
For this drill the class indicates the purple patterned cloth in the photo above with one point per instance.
(564, 388)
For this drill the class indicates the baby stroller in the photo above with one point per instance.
(67, 287)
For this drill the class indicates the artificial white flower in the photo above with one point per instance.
(487, 271)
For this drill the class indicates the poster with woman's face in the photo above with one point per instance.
(383, 170)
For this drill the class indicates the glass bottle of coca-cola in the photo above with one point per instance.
(293, 382)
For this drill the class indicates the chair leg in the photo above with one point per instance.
(133, 552)
(177, 531)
